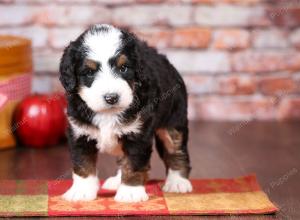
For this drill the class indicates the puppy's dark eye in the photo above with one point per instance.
(123, 69)
(90, 73)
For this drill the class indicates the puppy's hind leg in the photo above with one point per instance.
(113, 182)
(172, 144)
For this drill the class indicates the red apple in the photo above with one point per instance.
(40, 120)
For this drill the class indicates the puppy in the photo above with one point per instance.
(122, 94)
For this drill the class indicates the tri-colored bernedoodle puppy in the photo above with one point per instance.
(122, 94)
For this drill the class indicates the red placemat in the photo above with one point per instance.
(210, 197)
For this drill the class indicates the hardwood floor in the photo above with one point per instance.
(269, 149)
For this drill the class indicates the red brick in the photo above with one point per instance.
(53, 14)
(277, 85)
(150, 14)
(70, 15)
(295, 38)
(231, 39)
(281, 2)
(234, 109)
(155, 37)
(191, 37)
(239, 1)
(114, 2)
(225, 15)
(236, 85)
(266, 61)
(74, 1)
(149, 1)
(208, 2)
(200, 84)
(46, 84)
(59, 38)
(223, 85)
(46, 61)
(15, 15)
(242, 2)
(32, 1)
(289, 109)
(285, 15)
(198, 61)
(270, 38)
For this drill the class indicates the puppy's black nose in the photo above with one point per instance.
(111, 98)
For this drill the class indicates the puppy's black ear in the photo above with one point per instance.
(67, 69)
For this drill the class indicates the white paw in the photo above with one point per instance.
(176, 183)
(83, 189)
(112, 183)
(127, 193)
(74, 194)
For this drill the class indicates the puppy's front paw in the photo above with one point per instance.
(74, 194)
(176, 183)
(83, 189)
(112, 183)
(130, 194)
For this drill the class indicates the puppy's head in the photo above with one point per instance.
(101, 67)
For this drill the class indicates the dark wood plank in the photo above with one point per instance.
(269, 149)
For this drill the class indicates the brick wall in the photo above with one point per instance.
(240, 58)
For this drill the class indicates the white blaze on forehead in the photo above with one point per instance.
(103, 44)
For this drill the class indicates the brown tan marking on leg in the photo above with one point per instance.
(178, 161)
(171, 138)
(87, 166)
(130, 177)
(173, 156)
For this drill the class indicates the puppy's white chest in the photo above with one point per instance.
(111, 129)
(108, 131)
(108, 137)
